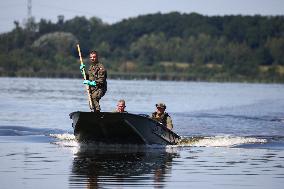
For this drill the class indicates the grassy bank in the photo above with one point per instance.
(173, 76)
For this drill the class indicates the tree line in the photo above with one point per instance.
(155, 46)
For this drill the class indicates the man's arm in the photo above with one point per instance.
(169, 123)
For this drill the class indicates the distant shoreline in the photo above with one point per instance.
(145, 76)
(171, 46)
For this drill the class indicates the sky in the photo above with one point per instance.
(112, 11)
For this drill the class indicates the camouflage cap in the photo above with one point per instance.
(161, 105)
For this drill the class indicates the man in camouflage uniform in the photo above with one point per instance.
(96, 76)
(161, 116)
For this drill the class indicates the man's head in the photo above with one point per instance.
(121, 105)
(94, 57)
(161, 107)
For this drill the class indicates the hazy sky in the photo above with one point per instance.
(111, 11)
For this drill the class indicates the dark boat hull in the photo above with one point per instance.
(120, 128)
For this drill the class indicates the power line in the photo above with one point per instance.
(63, 9)
(70, 10)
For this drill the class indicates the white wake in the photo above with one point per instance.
(220, 141)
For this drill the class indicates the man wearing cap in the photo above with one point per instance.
(97, 76)
(161, 116)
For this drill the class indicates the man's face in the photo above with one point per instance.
(160, 110)
(120, 107)
(93, 57)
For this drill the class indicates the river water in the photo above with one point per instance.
(233, 136)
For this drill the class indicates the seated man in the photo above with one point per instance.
(121, 106)
(161, 116)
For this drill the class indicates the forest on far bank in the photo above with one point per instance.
(170, 46)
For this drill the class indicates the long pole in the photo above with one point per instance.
(91, 104)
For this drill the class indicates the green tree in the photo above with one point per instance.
(276, 49)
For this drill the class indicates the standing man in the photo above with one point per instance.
(96, 76)
(161, 116)
(121, 106)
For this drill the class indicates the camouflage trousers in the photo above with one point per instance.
(96, 96)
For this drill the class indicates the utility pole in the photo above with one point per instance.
(30, 20)
(29, 9)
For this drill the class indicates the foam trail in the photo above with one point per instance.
(65, 136)
(219, 141)
(66, 140)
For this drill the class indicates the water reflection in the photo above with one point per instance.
(95, 167)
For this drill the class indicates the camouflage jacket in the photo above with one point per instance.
(165, 119)
(98, 74)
